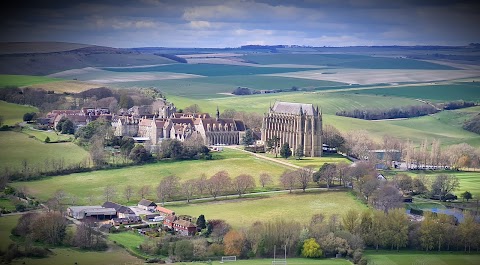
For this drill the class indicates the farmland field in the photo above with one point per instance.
(128, 240)
(417, 257)
(290, 261)
(443, 92)
(93, 183)
(13, 113)
(345, 61)
(16, 147)
(315, 162)
(297, 206)
(42, 135)
(468, 180)
(24, 80)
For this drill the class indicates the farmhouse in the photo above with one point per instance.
(91, 212)
(296, 124)
(126, 220)
(184, 227)
(147, 205)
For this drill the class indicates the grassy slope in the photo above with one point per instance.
(412, 257)
(468, 181)
(298, 206)
(24, 80)
(42, 135)
(294, 261)
(13, 113)
(7, 223)
(83, 184)
(16, 147)
(345, 61)
(315, 162)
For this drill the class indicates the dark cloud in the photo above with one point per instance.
(211, 23)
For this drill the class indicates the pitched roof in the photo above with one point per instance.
(144, 202)
(292, 108)
(164, 210)
(184, 223)
(118, 207)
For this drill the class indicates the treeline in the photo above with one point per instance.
(457, 104)
(393, 113)
(241, 91)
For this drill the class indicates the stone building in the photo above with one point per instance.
(217, 131)
(294, 123)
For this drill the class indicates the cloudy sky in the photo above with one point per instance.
(232, 23)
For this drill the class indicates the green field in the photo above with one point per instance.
(16, 147)
(93, 183)
(417, 257)
(7, 223)
(209, 69)
(345, 61)
(7, 204)
(24, 80)
(13, 113)
(128, 240)
(298, 206)
(456, 91)
(210, 87)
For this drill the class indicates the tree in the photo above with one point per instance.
(109, 193)
(184, 250)
(192, 109)
(332, 137)
(187, 188)
(2, 119)
(288, 180)
(201, 184)
(167, 187)
(97, 150)
(299, 152)
(265, 179)
(201, 223)
(304, 176)
(171, 148)
(466, 195)
(128, 192)
(311, 249)
(47, 140)
(397, 228)
(468, 230)
(404, 182)
(285, 152)
(233, 243)
(350, 221)
(273, 143)
(144, 191)
(387, 197)
(242, 183)
(248, 138)
(326, 173)
(139, 154)
(49, 228)
(444, 184)
(68, 127)
(86, 237)
(218, 183)
(427, 231)
(29, 116)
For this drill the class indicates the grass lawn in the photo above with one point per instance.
(7, 223)
(7, 204)
(315, 162)
(417, 257)
(42, 135)
(16, 147)
(24, 80)
(290, 261)
(93, 183)
(297, 206)
(129, 240)
(13, 113)
(113, 256)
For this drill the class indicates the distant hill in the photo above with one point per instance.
(40, 58)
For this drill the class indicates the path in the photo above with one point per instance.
(285, 163)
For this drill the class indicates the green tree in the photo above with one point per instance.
(201, 223)
(285, 152)
(139, 154)
(184, 250)
(171, 148)
(427, 231)
(47, 140)
(68, 127)
(29, 116)
(311, 249)
(299, 152)
(125, 101)
(466, 196)
(248, 138)
(272, 143)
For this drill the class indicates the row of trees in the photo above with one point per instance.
(393, 113)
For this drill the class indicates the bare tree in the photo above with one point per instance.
(444, 184)
(326, 173)
(128, 192)
(265, 179)
(187, 188)
(288, 179)
(97, 151)
(167, 187)
(201, 184)
(242, 183)
(304, 176)
(218, 183)
(192, 109)
(343, 173)
(109, 193)
(144, 191)
(387, 197)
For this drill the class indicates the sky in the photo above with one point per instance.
(232, 23)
